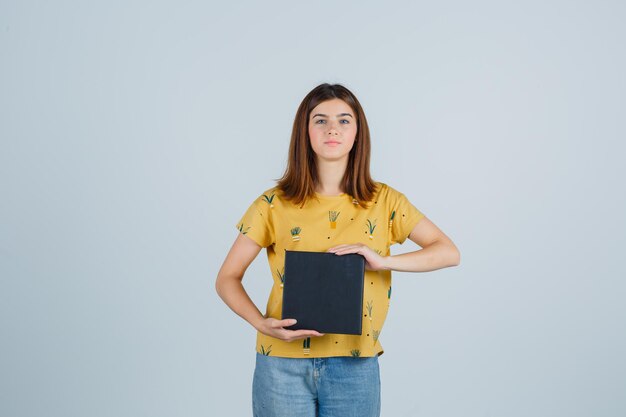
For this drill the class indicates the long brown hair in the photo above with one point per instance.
(298, 182)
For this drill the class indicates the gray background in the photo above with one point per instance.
(135, 134)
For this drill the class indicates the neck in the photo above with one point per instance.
(330, 176)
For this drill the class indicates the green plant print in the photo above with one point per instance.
(295, 233)
(375, 334)
(332, 217)
(378, 251)
(370, 306)
(244, 231)
(355, 353)
(393, 214)
(389, 293)
(267, 351)
(306, 346)
(370, 227)
(282, 277)
(269, 199)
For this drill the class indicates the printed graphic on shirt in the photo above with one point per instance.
(269, 199)
(306, 346)
(332, 217)
(369, 306)
(281, 276)
(370, 228)
(244, 231)
(355, 353)
(265, 351)
(295, 233)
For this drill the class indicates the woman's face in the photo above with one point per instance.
(332, 129)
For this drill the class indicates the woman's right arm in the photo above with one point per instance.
(230, 289)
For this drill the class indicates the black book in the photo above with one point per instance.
(324, 291)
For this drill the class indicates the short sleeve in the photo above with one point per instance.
(404, 217)
(256, 223)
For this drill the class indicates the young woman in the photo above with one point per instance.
(326, 202)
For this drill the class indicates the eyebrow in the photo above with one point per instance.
(325, 115)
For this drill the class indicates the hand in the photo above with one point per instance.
(373, 261)
(276, 328)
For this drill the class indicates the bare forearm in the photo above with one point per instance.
(435, 256)
(236, 297)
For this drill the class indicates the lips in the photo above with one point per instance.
(332, 142)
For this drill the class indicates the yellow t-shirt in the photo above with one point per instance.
(322, 223)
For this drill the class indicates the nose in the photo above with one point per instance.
(332, 128)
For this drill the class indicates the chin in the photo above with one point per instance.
(332, 158)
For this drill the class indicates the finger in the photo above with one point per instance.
(299, 334)
(284, 323)
(335, 248)
(348, 250)
(341, 248)
(308, 332)
(302, 332)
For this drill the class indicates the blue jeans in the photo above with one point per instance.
(340, 386)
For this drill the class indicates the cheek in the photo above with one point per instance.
(351, 131)
(314, 137)
(315, 132)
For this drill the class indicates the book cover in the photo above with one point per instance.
(324, 291)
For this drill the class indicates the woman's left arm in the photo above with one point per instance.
(438, 251)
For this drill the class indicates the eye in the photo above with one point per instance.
(345, 120)
(319, 120)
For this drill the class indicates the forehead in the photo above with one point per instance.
(332, 107)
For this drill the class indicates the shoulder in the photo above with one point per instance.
(385, 191)
(265, 199)
(270, 194)
(266, 195)
(270, 199)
